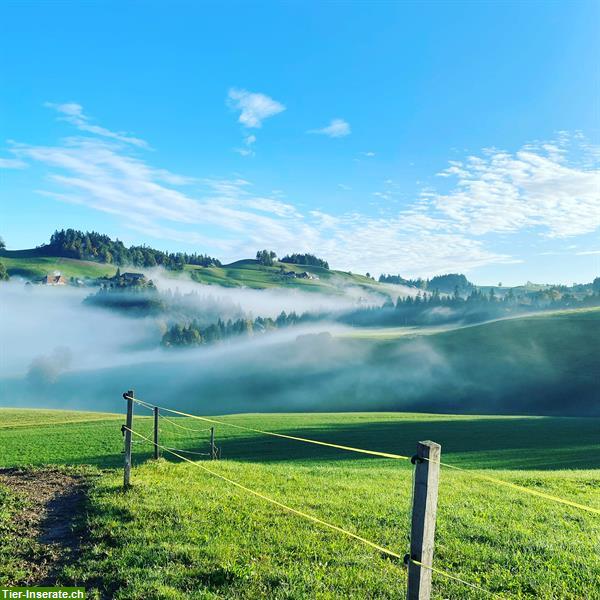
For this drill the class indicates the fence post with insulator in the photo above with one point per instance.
(156, 448)
(127, 432)
(424, 510)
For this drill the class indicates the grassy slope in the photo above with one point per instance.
(181, 533)
(533, 364)
(542, 318)
(37, 267)
(250, 273)
(246, 273)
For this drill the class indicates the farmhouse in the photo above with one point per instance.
(306, 275)
(133, 278)
(55, 279)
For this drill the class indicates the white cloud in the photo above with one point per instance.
(383, 195)
(368, 154)
(247, 150)
(12, 163)
(254, 108)
(336, 128)
(536, 189)
(73, 113)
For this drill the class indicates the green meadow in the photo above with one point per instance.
(36, 267)
(181, 532)
(243, 273)
(251, 274)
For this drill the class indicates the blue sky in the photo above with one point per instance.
(412, 138)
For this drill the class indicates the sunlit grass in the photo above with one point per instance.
(183, 533)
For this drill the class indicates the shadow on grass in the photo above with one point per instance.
(520, 443)
(544, 443)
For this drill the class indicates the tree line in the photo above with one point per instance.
(443, 283)
(90, 245)
(267, 258)
(433, 308)
(195, 334)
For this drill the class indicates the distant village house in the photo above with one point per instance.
(55, 279)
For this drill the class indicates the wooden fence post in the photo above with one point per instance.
(156, 448)
(424, 509)
(213, 451)
(128, 428)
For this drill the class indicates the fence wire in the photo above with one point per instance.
(346, 532)
(471, 472)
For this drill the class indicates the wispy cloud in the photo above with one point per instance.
(12, 163)
(336, 128)
(536, 189)
(254, 108)
(73, 113)
(247, 150)
(500, 192)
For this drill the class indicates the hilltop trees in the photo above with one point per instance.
(442, 283)
(266, 257)
(71, 243)
(305, 259)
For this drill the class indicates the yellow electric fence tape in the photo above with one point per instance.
(312, 518)
(183, 426)
(521, 488)
(472, 473)
(455, 578)
(279, 435)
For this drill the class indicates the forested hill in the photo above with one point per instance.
(93, 246)
(448, 284)
(87, 257)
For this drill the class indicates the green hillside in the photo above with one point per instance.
(536, 364)
(36, 267)
(182, 533)
(243, 273)
(250, 273)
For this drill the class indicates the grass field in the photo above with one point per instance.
(242, 273)
(249, 273)
(36, 267)
(183, 533)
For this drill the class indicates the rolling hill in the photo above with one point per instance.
(528, 365)
(29, 265)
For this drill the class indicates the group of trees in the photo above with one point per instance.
(442, 283)
(433, 308)
(268, 258)
(91, 245)
(137, 297)
(305, 259)
(194, 334)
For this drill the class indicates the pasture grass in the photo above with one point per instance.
(13, 546)
(251, 274)
(242, 273)
(36, 267)
(181, 532)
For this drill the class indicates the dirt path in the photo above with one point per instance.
(55, 500)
